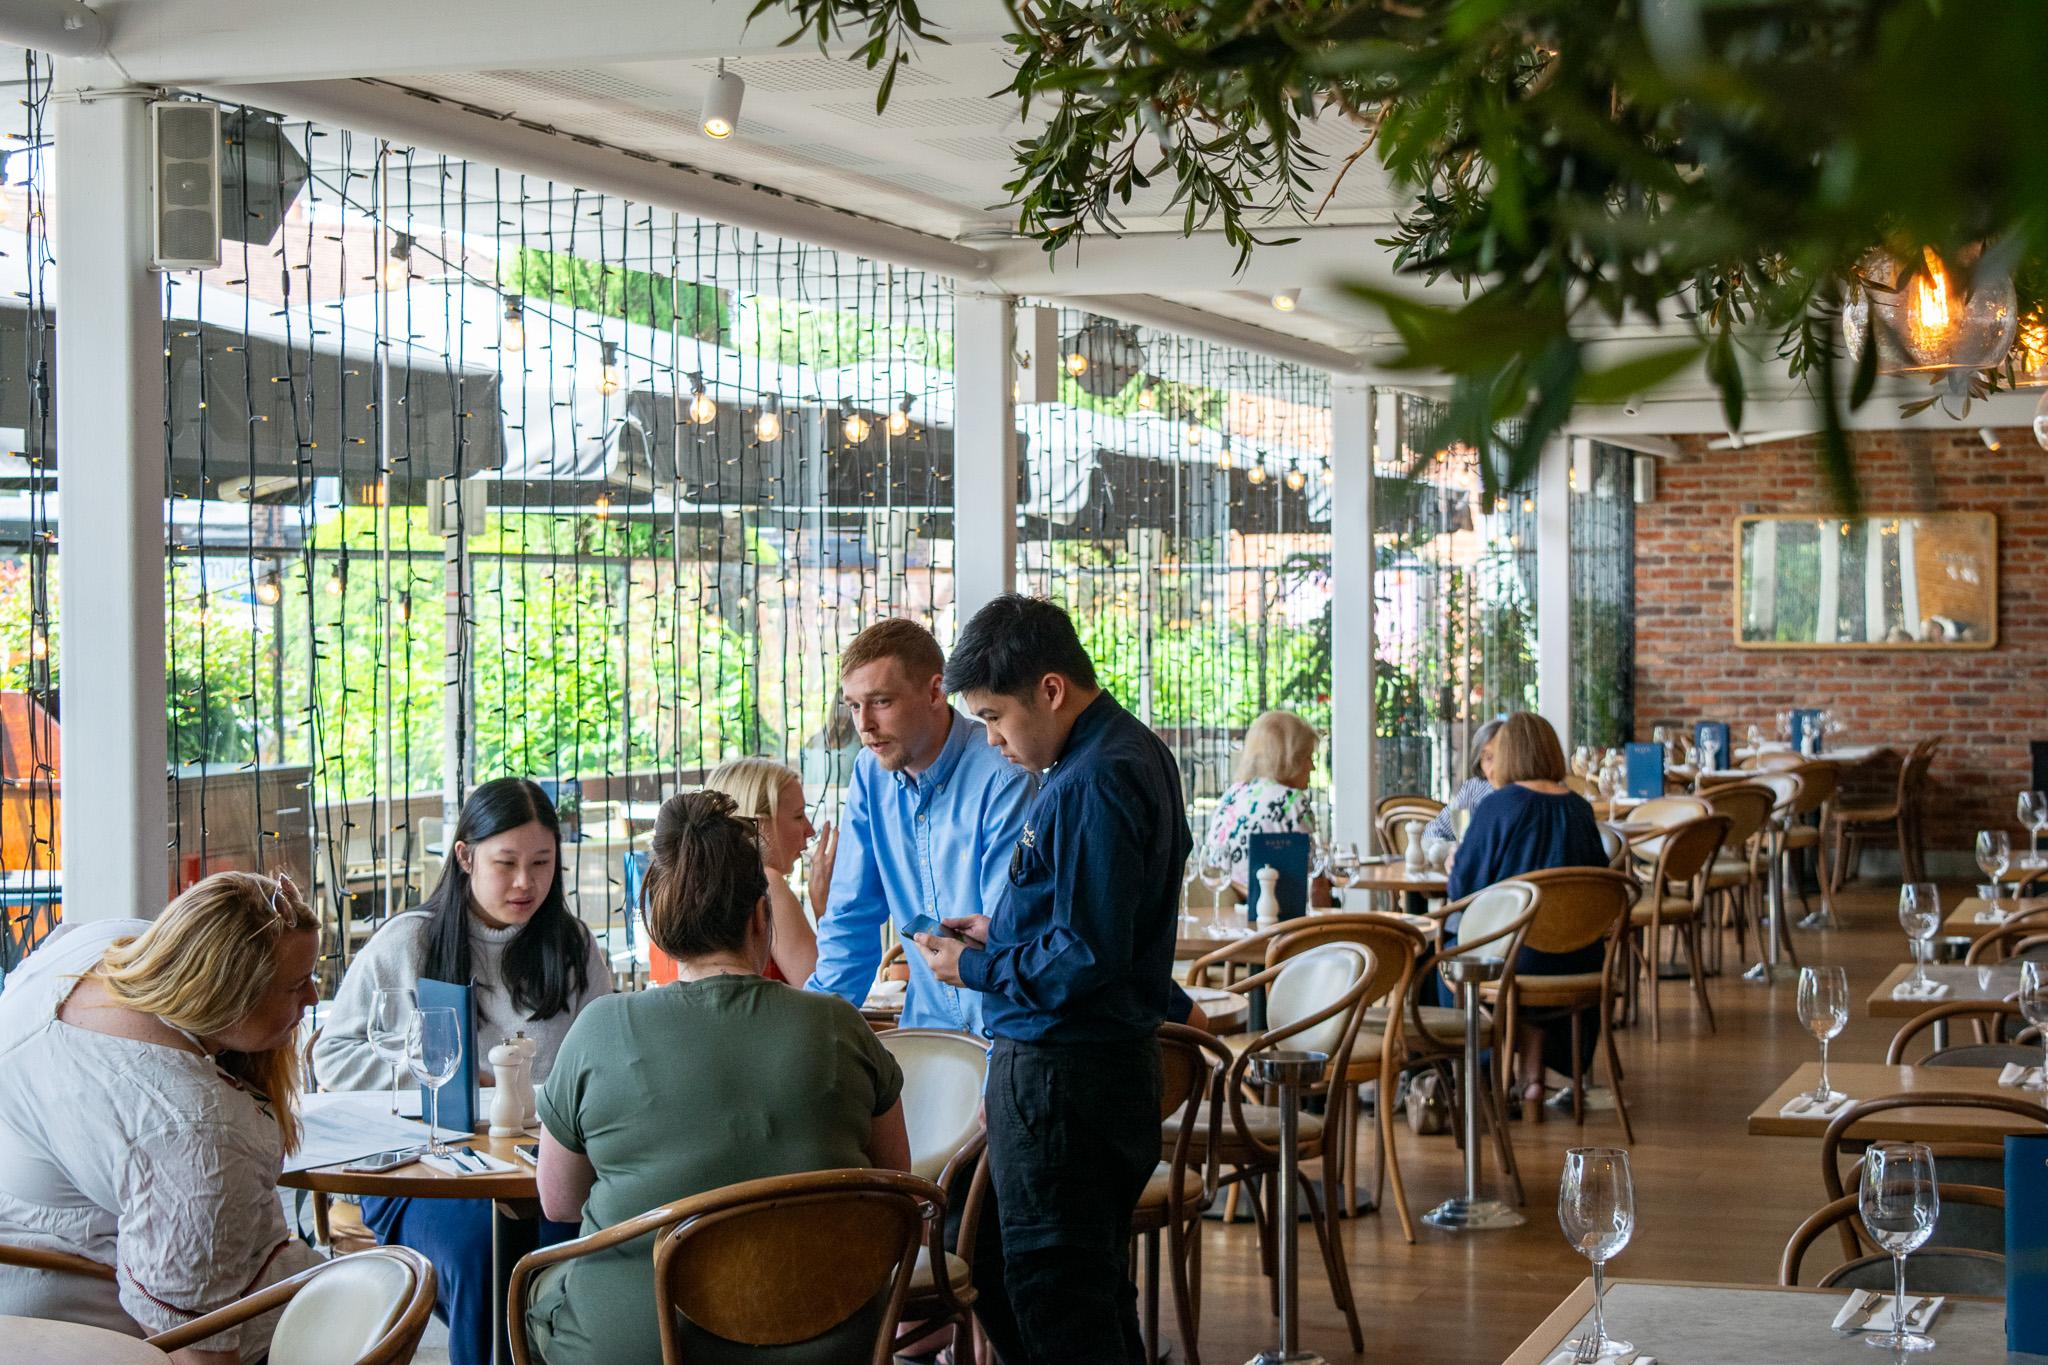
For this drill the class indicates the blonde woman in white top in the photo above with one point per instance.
(1269, 796)
(148, 1096)
(772, 796)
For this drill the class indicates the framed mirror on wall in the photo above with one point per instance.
(1927, 581)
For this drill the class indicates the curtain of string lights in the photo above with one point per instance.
(1603, 572)
(1177, 502)
(1454, 610)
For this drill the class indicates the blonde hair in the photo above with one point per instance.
(206, 964)
(1526, 750)
(1277, 745)
(754, 784)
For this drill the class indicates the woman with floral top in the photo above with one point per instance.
(1270, 795)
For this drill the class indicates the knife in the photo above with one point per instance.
(1920, 1313)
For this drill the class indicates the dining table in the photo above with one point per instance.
(1687, 1323)
(1868, 1080)
(1986, 984)
(1964, 920)
(46, 1341)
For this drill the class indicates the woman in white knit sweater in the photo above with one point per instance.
(498, 922)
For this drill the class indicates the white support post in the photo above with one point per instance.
(1554, 588)
(1352, 717)
(984, 452)
(110, 500)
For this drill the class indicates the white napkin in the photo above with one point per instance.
(1801, 1106)
(1873, 1313)
(2026, 1077)
(1566, 1355)
(1990, 917)
(449, 1165)
(1913, 990)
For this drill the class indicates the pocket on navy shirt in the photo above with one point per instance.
(1027, 865)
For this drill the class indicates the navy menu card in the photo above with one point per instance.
(2026, 1243)
(1289, 853)
(1644, 771)
(459, 1104)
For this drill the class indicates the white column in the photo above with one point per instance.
(1829, 616)
(1763, 580)
(1351, 613)
(1874, 624)
(110, 501)
(1909, 575)
(1554, 588)
(984, 452)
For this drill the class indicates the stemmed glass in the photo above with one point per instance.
(1215, 875)
(2034, 815)
(1756, 739)
(1824, 1009)
(2034, 1007)
(433, 1049)
(1596, 1207)
(1994, 856)
(1899, 1203)
(1920, 917)
(390, 1017)
(1189, 872)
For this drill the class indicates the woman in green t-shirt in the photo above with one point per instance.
(722, 1076)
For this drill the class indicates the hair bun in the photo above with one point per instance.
(690, 813)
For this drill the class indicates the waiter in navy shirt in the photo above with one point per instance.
(1076, 967)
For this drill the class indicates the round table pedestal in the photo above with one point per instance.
(1469, 1212)
(1289, 1071)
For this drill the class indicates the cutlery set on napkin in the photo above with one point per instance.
(1869, 1311)
(1570, 1354)
(1803, 1105)
(1920, 990)
(2025, 1077)
(467, 1161)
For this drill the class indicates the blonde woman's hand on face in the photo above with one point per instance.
(819, 883)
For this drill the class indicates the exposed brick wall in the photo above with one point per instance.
(1985, 704)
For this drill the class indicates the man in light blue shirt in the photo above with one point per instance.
(932, 817)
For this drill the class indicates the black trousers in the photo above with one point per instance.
(1073, 1135)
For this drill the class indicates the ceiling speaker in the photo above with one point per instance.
(185, 231)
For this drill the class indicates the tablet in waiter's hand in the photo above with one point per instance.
(925, 924)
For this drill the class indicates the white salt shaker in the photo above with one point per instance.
(530, 1049)
(1413, 855)
(1269, 899)
(508, 1102)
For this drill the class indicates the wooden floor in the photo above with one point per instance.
(1713, 1203)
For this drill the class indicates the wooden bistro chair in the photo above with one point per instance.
(1818, 780)
(1737, 873)
(1979, 1163)
(792, 1267)
(2026, 936)
(1934, 1269)
(1314, 997)
(1495, 919)
(1986, 1051)
(365, 1309)
(1578, 906)
(1671, 899)
(1786, 785)
(1666, 813)
(1393, 824)
(1192, 1063)
(943, 1075)
(1856, 824)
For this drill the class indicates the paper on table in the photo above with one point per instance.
(2027, 1077)
(1873, 1313)
(338, 1126)
(1908, 990)
(1801, 1106)
(1990, 917)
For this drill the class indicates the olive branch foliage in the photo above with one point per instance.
(1715, 169)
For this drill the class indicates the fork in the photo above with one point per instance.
(1587, 1350)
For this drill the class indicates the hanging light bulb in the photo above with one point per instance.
(1255, 472)
(609, 379)
(602, 508)
(205, 609)
(405, 606)
(1193, 436)
(1286, 299)
(1148, 397)
(337, 580)
(722, 103)
(1295, 478)
(899, 420)
(398, 266)
(1920, 320)
(1329, 474)
(38, 645)
(768, 425)
(269, 589)
(853, 426)
(703, 407)
(1225, 461)
(512, 337)
(1077, 364)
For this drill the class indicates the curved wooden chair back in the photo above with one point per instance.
(29, 1258)
(891, 955)
(1417, 800)
(1393, 825)
(1496, 920)
(943, 1074)
(1577, 906)
(1817, 783)
(1747, 805)
(1977, 1010)
(1192, 1064)
(1689, 849)
(2009, 940)
(1667, 811)
(1843, 1211)
(785, 1260)
(369, 1308)
(1913, 772)
(1837, 1131)
(1772, 760)
(1615, 843)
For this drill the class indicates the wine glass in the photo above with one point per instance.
(1582, 760)
(1189, 871)
(1824, 1009)
(1710, 761)
(1596, 1207)
(1899, 1203)
(433, 1049)
(1756, 739)
(1215, 874)
(2034, 1006)
(1994, 856)
(390, 1016)
(2034, 815)
(1920, 917)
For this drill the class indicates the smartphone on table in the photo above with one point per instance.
(528, 1152)
(385, 1161)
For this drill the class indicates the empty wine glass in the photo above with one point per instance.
(2034, 815)
(1596, 1207)
(1189, 871)
(1824, 1009)
(1710, 760)
(1899, 1203)
(433, 1049)
(1215, 874)
(1920, 917)
(1756, 740)
(1994, 856)
(390, 1016)
(2034, 1006)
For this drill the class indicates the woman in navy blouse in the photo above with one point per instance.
(1532, 821)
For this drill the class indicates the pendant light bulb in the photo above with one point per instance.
(768, 426)
(513, 336)
(1193, 436)
(610, 380)
(269, 590)
(1295, 478)
(703, 407)
(1077, 364)
(1255, 473)
(337, 580)
(398, 265)
(855, 427)
(1286, 299)
(722, 103)
(899, 420)
(1148, 397)
(1329, 474)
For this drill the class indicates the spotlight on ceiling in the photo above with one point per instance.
(1286, 299)
(722, 103)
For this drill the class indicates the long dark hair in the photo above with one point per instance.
(547, 963)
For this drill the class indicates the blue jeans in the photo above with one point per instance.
(455, 1234)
